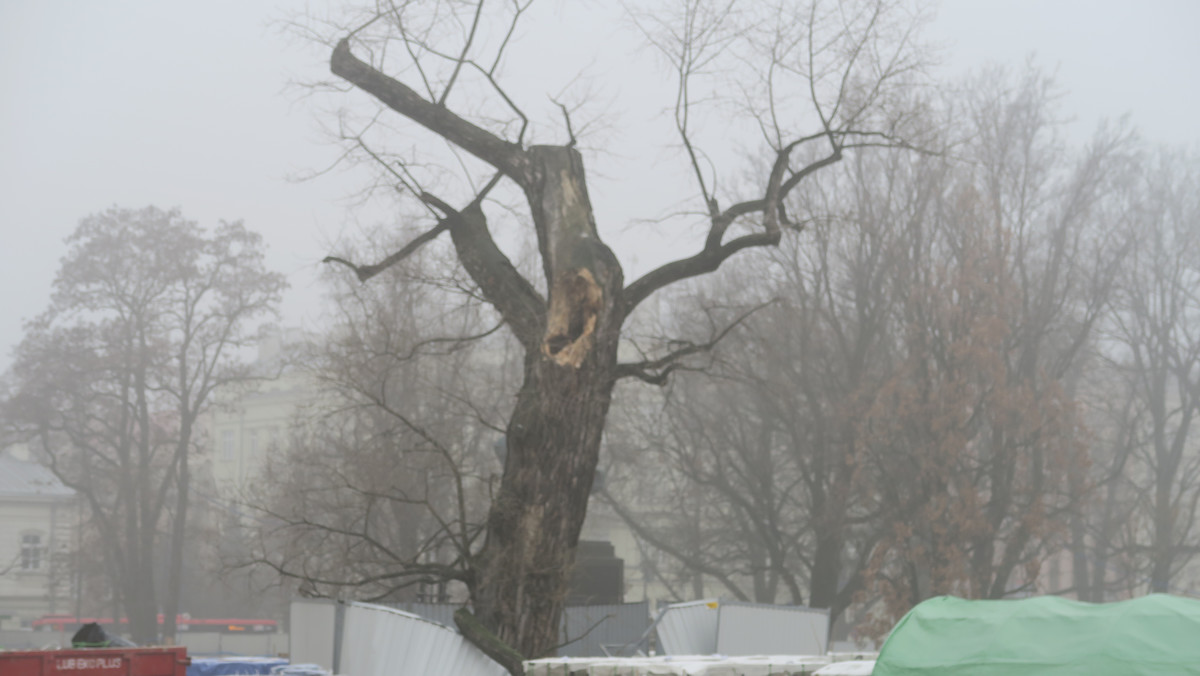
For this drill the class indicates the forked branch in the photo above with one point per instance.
(658, 371)
(365, 272)
(502, 285)
(715, 252)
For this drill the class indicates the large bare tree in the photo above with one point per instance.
(814, 79)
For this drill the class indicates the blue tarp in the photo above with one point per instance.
(233, 666)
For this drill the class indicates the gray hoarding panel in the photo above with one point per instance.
(596, 631)
(442, 613)
(759, 629)
(688, 628)
(381, 641)
(310, 630)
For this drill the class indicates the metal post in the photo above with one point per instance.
(339, 623)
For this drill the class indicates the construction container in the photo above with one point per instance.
(96, 662)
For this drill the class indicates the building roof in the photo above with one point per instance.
(20, 479)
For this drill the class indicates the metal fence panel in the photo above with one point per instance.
(382, 641)
(688, 628)
(442, 613)
(310, 631)
(588, 629)
(762, 629)
(596, 631)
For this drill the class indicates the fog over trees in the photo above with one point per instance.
(915, 342)
(899, 422)
(384, 489)
(957, 381)
(148, 314)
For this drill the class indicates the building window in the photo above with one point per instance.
(252, 442)
(31, 551)
(275, 436)
(227, 445)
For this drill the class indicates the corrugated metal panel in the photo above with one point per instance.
(381, 641)
(762, 629)
(442, 613)
(613, 626)
(688, 628)
(310, 631)
(596, 631)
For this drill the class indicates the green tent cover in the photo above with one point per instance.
(1156, 634)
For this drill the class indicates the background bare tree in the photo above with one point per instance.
(903, 422)
(1156, 336)
(384, 486)
(767, 438)
(1105, 533)
(148, 313)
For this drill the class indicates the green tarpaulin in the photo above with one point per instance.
(944, 636)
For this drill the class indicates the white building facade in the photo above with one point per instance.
(38, 517)
(245, 427)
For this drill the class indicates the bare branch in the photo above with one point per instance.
(715, 253)
(458, 63)
(509, 158)
(365, 272)
(657, 371)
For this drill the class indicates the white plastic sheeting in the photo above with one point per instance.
(380, 641)
(679, 665)
(734, 628)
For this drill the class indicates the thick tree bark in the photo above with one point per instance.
(554, 433)
(534, 523)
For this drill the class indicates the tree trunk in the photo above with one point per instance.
(554, 433)
(1079, 557)
(137, 590)
(1162, 548)
(178, 537)
(534, 523)
(827, 566)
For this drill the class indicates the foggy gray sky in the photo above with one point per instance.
(183, 104)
